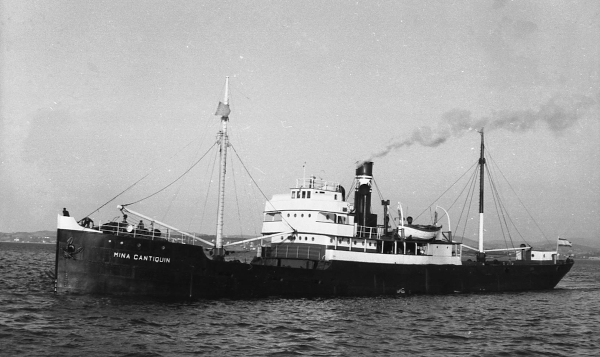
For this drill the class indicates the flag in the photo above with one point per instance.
(564, 241)
(223, 110)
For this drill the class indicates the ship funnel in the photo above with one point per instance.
(365, 169)
(362, 195)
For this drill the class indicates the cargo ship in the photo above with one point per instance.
(315, 242)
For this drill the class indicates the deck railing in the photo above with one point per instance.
(295, 251)
(317, 184)
(125, 229)
(369, 232)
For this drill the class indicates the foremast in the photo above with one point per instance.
(481, 253)
(223, 111)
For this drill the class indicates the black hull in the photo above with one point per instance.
(96, 263)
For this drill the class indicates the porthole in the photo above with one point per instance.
(288, 214)
(302, 215)
(330, 240)
(313, 239)
(309, 215)
(294, 215)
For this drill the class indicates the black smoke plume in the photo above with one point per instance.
(558, 114)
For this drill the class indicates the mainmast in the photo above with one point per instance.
(481, 255)
(223, 110)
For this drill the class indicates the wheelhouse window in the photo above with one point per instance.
(332, 218)
(327, 217)
(272, 217)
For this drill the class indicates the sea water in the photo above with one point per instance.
(35, 322)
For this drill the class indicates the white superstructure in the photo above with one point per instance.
(325, 228)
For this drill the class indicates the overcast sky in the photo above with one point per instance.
(97, 94)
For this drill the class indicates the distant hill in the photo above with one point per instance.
(29, 237)
(578, 250)
(590, 242)
(50, 237)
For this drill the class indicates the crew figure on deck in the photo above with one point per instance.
(65, 212)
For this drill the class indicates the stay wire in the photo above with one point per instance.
(505, 213)
(443, 193)
(462, 192)
(138, 181)
(499, 209)
(521, 202)
(468, 202)
(177, 179)
(237, 202)
(258, 187)
(196, 204)
(212, 172)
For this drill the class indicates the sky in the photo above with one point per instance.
(97, 95)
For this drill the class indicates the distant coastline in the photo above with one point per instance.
(44, 243)
(578, 251)
(49, 237)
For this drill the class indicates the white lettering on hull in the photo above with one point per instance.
(145, 258)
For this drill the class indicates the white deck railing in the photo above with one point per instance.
(317, 184)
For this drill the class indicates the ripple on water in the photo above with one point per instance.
(560, 322)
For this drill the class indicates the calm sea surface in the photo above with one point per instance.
(35, 322)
